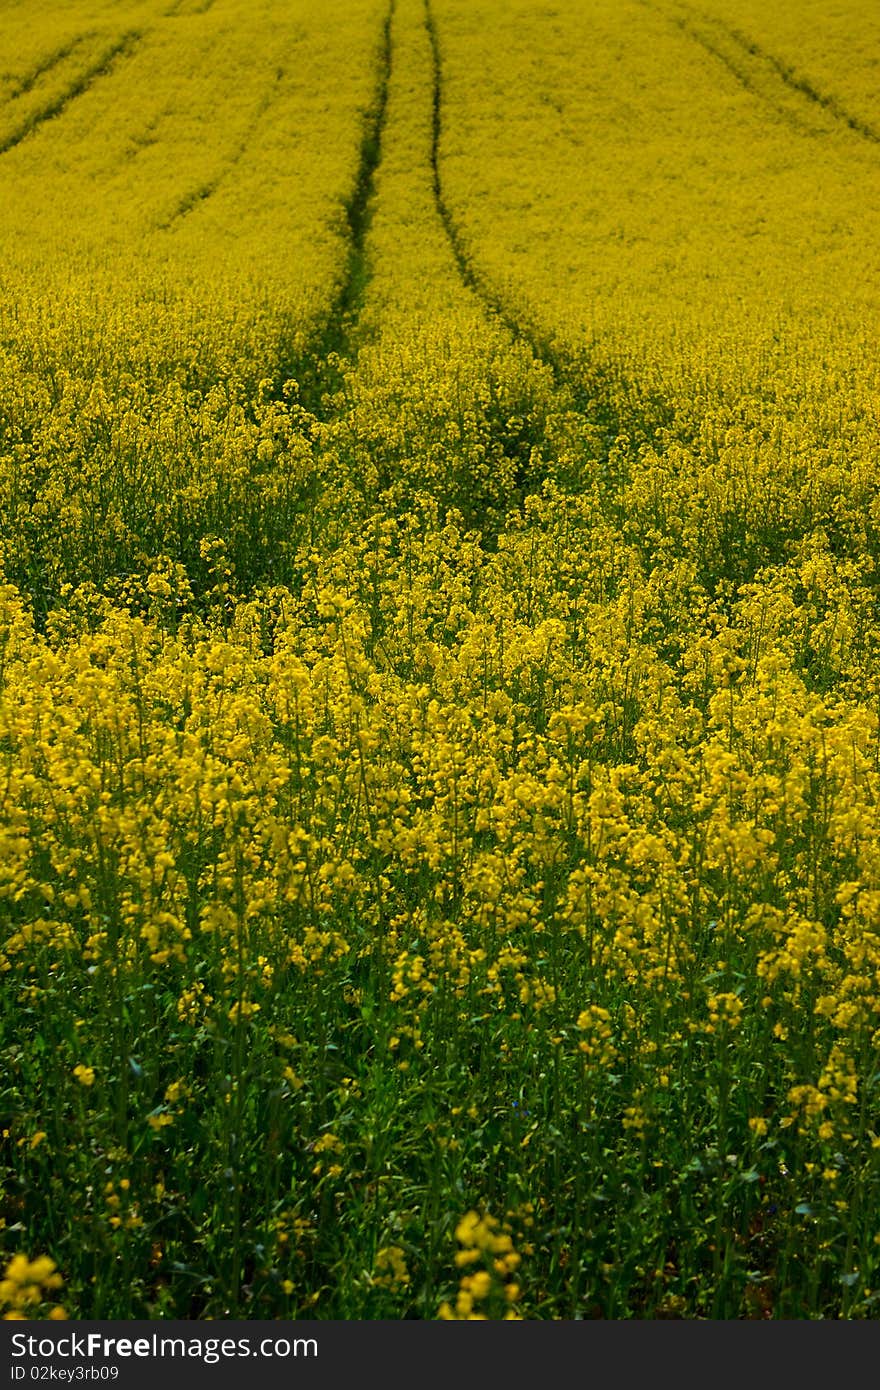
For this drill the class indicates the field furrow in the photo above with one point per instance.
(184, 8)
(191, 200)
(103, 65)
(588, 398)
(45, 65)
(823, 52)
(803, 86)
(765, 75)
(341, 325)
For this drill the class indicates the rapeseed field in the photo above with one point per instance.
(439, 659)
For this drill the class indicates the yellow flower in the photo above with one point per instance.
(25, 1282)
(391, 1270)
(480, 1284)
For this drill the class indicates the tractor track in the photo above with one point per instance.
(492, 303)
(319, 372)
(343, 317)
(805, 88)
(767, 66)
(29, 81)
(103, 66)
(588, 400)
(197, 197)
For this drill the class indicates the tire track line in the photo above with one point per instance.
(46, 65)
(805, 88)
(495, 306)
(176, 11)
(586, 399)
(104, 65)
(197, 196)
(358, 209)
(742, 76)
(774, 68)
(320, 373)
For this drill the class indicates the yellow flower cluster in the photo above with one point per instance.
(26, 1287)
(439, 656)
(490, 1291)
(391, 1269)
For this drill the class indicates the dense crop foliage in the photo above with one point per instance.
(439, 638)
